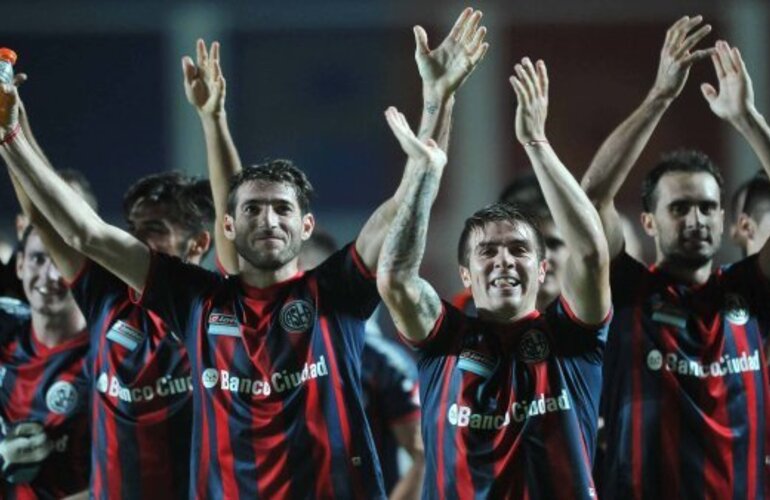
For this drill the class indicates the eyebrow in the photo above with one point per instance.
(514, 242)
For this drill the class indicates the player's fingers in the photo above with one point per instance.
(471, 26)
(692, 40)
(420, 41)
(542, 73)
(478, 39)
(698, 55)
(458, 27)
(189, 69)
(200, 52)
(215, 51)
(720, 71)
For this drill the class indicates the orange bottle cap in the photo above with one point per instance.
(8, 55)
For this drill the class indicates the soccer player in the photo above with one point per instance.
(44, 394)
(390, 393)
(509, 399)
(275, 354)
(686, 392)
(141, 415)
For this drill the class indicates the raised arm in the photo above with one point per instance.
(734, 103)
(76, 222)
(67, 260)
(621, 150)
(413, 303)
(205, 89)
(586, 286)
(442, 70)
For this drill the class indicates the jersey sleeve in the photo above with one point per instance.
(173, 289)
(396, 381)
(351, 286)
(92, 287)
(573, 337)
(626, 275)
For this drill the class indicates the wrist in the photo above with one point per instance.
(748, 121)
(437, 94)
(212, 116)
(534, 142)
(9, 134)
(658, 97)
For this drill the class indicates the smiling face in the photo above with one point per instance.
(43, 285)
(687, 219)
(267, 224)
(504, 271)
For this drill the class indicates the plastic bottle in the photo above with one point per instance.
(7, 60)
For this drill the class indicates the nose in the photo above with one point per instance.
(694, 217)
(52, 272)
(268, 217)
(504, 259)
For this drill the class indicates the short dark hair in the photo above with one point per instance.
(497, 212)
(757, 200)
(278, 171)
(525, 191)
(682, 160)
(72, 176)
(189, 199)
(21, 247)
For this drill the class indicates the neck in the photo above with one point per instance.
(506, 316)
(684, 272)
(263, 278)
(52, 330)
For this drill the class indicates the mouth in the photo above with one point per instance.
(46, 291)
(505, 282)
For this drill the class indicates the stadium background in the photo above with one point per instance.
(309, 80)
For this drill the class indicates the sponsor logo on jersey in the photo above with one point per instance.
(163, 387)
(476, 362)
(725, 365)
(736, 309)
(62, 397)
(463, 416)
(533, 347)
(278, 382)
(223, 324)
(126, 335)
(297, 316)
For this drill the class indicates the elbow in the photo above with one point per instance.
(596, 256)
(391, 286)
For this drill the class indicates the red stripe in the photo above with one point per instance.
(341, 408)
(448, 369)
(670, 394)
(316, 425)
(742, 345)
(463, 439)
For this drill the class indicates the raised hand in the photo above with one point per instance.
(735, 98)
(415, 149)
(677, 56)
(446, 67)
(204, 84)
(531, 87)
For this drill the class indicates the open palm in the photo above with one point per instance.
(204, 84)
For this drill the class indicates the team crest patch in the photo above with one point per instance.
(223, 324)
(736, 309)
(297, 316)
(476, 362)
(210, 377)
(62, 397)
(126, 335)
(533, 347)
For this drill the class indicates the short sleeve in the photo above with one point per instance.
(92, 287)
(572, 336)
(344, 278)
(173, 289)
(744, 281)
(394, 380)
(626, 276)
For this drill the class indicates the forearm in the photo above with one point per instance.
(223, 163)
(59, 203)
(753, 127)
(413, 303)
(572, 211)
(436, 119)
(621, 150)
(409, 487)
(67, 260)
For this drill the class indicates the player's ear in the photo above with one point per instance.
(648, 224)
(308, 224)
(465, 276)
(228, 226)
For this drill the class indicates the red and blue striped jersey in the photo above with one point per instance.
(509, 410)
(48, 386)
(686, 391)
(141, 410)
(391, 397)
(276, 373)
